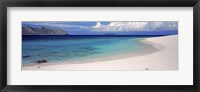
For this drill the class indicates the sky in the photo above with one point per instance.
(117, 28)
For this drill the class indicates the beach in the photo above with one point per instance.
(164, 56)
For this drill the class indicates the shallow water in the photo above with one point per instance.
(76, 48)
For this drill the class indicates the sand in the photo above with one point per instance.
(165, 57)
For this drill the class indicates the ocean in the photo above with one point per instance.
(73, 48)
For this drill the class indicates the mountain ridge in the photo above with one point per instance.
(28, 30)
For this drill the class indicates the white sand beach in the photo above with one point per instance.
(165, 58)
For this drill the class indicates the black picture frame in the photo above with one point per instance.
(100, 3)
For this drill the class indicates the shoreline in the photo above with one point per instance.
(152, 46)
(148, 48)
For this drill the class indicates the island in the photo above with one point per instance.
(28, 30)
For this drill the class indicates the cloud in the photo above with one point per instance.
(162, 26)
(135, 26)
(112, 26)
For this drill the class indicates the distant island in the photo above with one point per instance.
(110, 34)
(28, 30)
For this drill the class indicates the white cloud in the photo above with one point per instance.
(133, 26)
(98, 25)
(162, 26)
(115, 26)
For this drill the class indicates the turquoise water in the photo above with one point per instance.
(76, 48)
